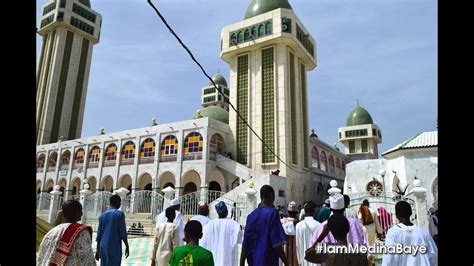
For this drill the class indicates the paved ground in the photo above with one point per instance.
(140, 248)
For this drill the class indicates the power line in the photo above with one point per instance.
(217, 88)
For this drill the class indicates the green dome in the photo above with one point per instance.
(218, 79)
(359, 116)
(214, 112)
(257, 7)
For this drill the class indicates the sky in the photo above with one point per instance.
(381, 52)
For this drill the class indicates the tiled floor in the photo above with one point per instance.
(140, 249)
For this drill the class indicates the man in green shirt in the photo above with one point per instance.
(191, 254)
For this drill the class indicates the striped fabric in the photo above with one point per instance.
(385, 219)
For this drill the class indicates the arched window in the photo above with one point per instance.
(111, 152)
(331, 164)
(169, 146)
(240, 37)
(65, 158)
(40, 162)
(52, 159)
(169, 184)
(94, 154)
(213, 185)
(247, 35)
(79, 157)
(193, 143)
(217, 143)
(261, 30)
(315, 156)
(343, 166)
(148, 148)
(254, 32)
(128, 150)
(338, 164)
(233, 38)
(268, 28)
(189, 188)
(324, 161)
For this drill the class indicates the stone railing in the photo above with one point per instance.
(146, 160)
(192, 156)
(126, 162)
(169, 158)
(110, 163)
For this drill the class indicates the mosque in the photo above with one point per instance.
(269, 53)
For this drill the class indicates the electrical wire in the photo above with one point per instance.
(218, 89)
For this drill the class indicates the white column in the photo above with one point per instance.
(333, 190)
(251, 199)
(69, 173)
(83, 199)
(122, 192)
(53, 207)
(204, 192)
(420, 204)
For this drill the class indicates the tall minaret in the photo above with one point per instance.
(69, 28)
(269, 53)
(360, 136)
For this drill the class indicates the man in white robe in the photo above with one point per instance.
(165, 241)
(221, 236)
(178, 220)
(304, 233)
(409, 234)
(203, 216)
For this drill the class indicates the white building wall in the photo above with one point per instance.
(206, 126)
(405, 165)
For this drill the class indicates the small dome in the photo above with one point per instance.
(218, 79)
(257, 7)
(213, 112)
(359, 116)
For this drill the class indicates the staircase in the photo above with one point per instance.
(144, 218)
(43, 214)
(237, 194)
(235, 168)
(131, 218)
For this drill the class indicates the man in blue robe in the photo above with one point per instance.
(112, 230)
(264, 236)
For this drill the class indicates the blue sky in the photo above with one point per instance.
(382, 52)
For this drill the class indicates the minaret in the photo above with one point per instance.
(269, 53)
(211, 97)
(214, 105)
(360, 136)
(69, 29)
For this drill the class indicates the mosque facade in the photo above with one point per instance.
(269, 53)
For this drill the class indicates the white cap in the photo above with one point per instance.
(336, 201)
(174, 202)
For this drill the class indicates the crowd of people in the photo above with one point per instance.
(272, 236)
